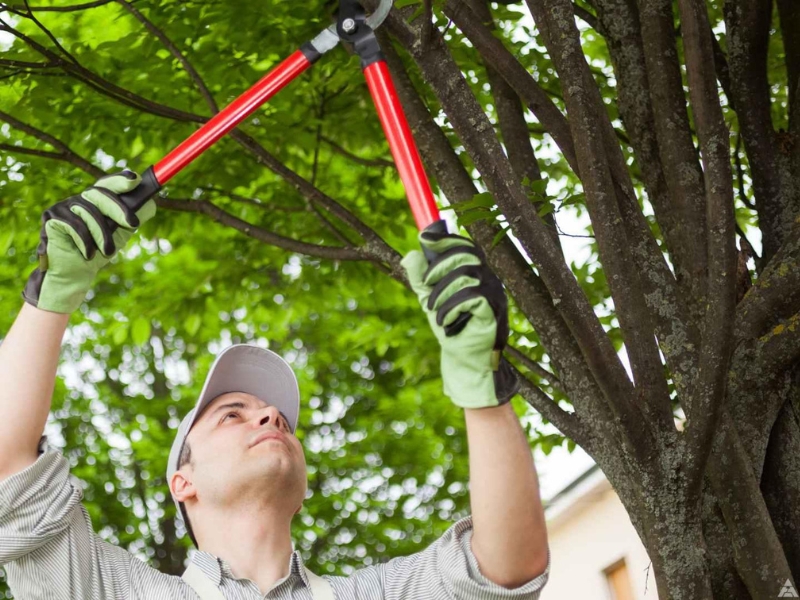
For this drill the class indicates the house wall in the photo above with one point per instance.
(588, 536)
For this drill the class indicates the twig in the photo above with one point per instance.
(535, 368)
(176, 53)
(367, 162)
(65, 151)
(73, 8)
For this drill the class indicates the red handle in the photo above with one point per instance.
(230, 116)
(401, 142)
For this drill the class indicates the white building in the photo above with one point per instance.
(595, 552)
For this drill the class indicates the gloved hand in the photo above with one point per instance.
(458, 281)
(73, 231)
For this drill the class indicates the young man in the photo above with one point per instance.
(236, 470)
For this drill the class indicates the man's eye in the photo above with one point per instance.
(229, 414)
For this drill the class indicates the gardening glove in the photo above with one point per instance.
(468, 311)
(79, 236)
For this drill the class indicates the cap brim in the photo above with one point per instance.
(255, 371)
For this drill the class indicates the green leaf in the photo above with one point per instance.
(546, 208)
(476, 215)
(140, 332)
(504, 231)
(192, 324)
(483, 200)
(120, 334)
(404, 3)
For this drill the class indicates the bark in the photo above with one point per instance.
(748, 24)
(780, 480)
(676, 147)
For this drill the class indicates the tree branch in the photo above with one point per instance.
(73, 8)
(367, 162)
(64, 151)
(511, 119)
(477, 135)
(592, 130)
(535, 368)
(775, 295)
(567, 423)
(717, 342)
(748, 23)
(175, 52)
(780, 348)
(260, 234)
(676, 148)
(496, 55)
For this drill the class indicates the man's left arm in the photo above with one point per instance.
(509, 537)
(466, 306)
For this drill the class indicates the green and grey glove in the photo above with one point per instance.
(79, 236)
(468, 311)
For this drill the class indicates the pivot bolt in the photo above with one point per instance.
(349, 25)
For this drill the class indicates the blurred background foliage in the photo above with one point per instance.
(386, 450)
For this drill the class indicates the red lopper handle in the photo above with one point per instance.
(401, 142)
(231, 116)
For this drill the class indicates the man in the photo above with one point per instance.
(236, 469)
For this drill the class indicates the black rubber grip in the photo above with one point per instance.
(138, 197)
(436, 227)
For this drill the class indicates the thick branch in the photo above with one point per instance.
(497, 56)
(714, 139)
(774, 296)
(591, 130)
(511, 118)
(748, 24)
(676, 148)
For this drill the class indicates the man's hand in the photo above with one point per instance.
(79, 236)
(457, 282)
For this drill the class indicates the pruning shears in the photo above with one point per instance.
(354, 27)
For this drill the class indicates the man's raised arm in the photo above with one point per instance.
(79, 235)
(467, 309)
(28, 361)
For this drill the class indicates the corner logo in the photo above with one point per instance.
(788, 591)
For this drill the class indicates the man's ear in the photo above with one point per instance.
(182, 487)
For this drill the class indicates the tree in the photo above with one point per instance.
(672, 125)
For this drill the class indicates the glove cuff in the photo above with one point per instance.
(506, 383)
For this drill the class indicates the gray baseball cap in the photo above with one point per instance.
(240, 368)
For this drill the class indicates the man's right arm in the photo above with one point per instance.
(28, 362)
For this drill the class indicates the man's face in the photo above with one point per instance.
(243, 451)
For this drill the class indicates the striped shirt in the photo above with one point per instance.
(51, 552)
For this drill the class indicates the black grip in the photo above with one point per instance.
(440, 228)
(138, 197)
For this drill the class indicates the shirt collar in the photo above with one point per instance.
(217, 568)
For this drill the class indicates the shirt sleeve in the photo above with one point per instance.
(448, 570)
(47, 544)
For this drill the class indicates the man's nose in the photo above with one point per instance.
(270, 415)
